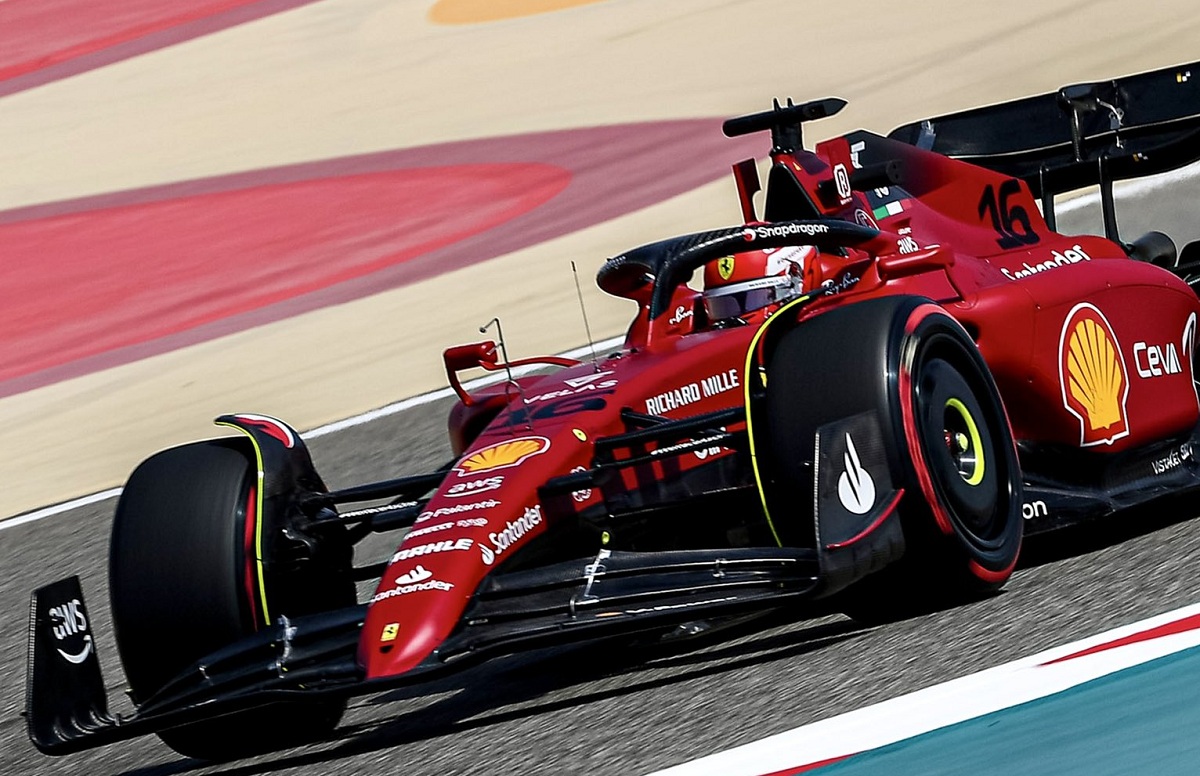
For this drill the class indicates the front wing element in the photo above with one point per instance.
(66, 704)
(612, 594)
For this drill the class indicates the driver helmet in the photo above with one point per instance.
(739, 284)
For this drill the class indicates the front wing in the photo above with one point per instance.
(613, 594)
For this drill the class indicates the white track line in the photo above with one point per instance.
(341, 425)
(56, 509)
(950, 703)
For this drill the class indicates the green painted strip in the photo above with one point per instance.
(1140, 720)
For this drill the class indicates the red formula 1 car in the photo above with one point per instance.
(873, 432)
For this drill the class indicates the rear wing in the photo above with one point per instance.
(1081, 135)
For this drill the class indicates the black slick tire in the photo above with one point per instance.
(179, 582)
(950, 446)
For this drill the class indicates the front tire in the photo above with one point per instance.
(182, 584)
(962, 517)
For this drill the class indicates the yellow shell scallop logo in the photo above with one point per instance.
(1092, 374)
(502, 455)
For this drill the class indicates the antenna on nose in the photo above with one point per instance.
(583, 311)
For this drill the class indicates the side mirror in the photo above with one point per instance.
(476, 354)
(899, 265)
(460, 357)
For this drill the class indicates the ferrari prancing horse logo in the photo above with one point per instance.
(1091, 371)
(725, 267)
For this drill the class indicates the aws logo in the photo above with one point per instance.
(68, 621)
(471, 487)
(1092, 373)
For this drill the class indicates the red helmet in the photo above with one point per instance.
(736, 285)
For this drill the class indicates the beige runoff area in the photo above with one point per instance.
(342, 77)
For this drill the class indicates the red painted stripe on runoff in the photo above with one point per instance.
(347, 227)
(1169, 629)
(134, 273)
(809, 767)
(47, 40)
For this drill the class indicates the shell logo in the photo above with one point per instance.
(502, 455)
(1092, 373)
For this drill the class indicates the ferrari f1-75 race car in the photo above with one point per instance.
(872, 429)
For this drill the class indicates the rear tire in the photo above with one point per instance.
(949, 447)
(181, 582)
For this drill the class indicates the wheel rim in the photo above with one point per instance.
(959, 448)
(963, 441)
(964, 515)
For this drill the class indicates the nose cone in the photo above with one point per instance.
(418, 602)
(430, 583)
(483, 512)
(391, 647)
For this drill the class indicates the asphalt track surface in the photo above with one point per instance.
(581, 711)
(588, 710)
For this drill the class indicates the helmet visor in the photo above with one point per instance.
(734, 301)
